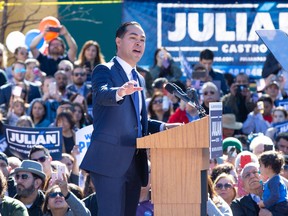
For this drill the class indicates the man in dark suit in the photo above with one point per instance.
(247, 205)
(29, 90)
(117, 168)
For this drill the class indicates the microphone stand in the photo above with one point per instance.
(192, 94)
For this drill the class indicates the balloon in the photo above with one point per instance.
(14, 40)
(49, 21)
(44, 49)
(30, 35)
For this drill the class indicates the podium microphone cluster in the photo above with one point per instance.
(191, 99)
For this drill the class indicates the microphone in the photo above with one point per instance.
(177, 91)
(192, 93)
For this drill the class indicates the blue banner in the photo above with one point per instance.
(226, 29)
(20, 140)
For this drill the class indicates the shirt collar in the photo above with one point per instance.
(126, 67)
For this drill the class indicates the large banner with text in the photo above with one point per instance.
(226, 29)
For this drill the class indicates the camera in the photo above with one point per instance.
(240, 88)
(54, 29)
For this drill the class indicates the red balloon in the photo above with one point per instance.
(52, 22)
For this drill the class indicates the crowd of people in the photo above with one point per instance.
(56, 90)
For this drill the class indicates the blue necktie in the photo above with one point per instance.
(137, 104)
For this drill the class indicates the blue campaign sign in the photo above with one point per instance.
(226, 29)
(20, 140)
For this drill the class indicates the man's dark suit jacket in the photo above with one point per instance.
(113, 141)
(6, 91)
(244, 206)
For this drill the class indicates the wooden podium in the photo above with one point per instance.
(179, 164)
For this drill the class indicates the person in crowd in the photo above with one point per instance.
(33, 73)
(111, 167)
(155, 108)
(15, 111)
(239, 101)
(29, 181)
(164, 66)
(260, 144)
(247, 205)
(227, 168)
(79, 85)
(90, 56)
(56, 50)
(28, 91)
(68, 67)
(231, 148)
(5, 170)
(20, 54)
(13, 163)
(241, 160)
(225, 187)
(42, 155)
(229, 125)
(61, 83)
(268, 107)
(60, 201)
(279, 115)
(25, 121)
(275, 197)
(215, 204)
(3, 57)
(281, 142)
(9, 205)
(79, 116)
(3, 78)
(210, 93)
(38, 111)
(206, 59)
(66, 122)
(91, 203)
(185, 113)
(275, 87)
(255, 122)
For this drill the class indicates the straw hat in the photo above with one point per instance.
(229, 121)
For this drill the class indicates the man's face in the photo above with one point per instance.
(55, 48)
(40, 157)
(25, 184)
(61, 80)
(132, 46)
(79, 76)
(272, 90)
(282, 145)
(4, 168)
(207, 63)
(19, 72)
(251, 179)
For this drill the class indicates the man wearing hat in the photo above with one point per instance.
(229, 125)
(247, 205)
(29, 179)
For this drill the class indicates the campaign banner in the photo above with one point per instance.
(226, 29)
(280, 127)
(283, 103)
(83, 137)
(215, 127)
(20, 140)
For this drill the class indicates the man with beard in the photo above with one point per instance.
(79, 85)
(29, 181)
(61, 83)
(247, 205)
(56, 50)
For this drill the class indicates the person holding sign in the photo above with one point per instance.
(117, 168)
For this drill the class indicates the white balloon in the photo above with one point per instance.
(43, 47)
(15, 39)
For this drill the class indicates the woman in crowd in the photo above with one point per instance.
(210, 93)
(164, 66)
(38, 113)
(90, 56)
(60, 201)
(79, 116)
(66, 122)
(216, 206)
(225, 187)
(279, 115)
(155, 108)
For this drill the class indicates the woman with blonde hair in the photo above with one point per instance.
(225, 187)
